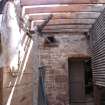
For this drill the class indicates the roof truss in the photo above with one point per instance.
(64, 8)
(68, 15)
(47, 2)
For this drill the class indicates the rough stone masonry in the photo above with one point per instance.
(55, 61)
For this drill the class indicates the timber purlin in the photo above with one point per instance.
(67, 15)
(47, 2)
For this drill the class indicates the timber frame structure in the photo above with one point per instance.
(53, 31)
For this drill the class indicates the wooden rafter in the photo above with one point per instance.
(64, 8)
(74, 16)
(46, 2)
(67, 30)
(69, 15)
(67, 27)
(66, 21)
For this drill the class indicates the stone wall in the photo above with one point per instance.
(17, 89)
(55, 61)
(24, 91)
(22, 88)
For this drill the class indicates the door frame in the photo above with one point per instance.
(75, 58)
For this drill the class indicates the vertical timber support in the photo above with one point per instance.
(36, 33)
(35, 68)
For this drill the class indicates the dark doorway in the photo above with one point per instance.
(88, 78)
(80, 82)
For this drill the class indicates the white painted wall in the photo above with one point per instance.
(11, 36)
(0, 20)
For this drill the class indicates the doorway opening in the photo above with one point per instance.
(80, 81)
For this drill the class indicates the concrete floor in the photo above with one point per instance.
(89, 101)
(82, 104)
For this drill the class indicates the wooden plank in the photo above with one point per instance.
(68, 27)
(74, 15)
(44, 2)
(64, 8)
(67, 30)
(59, 33)
(66, 21)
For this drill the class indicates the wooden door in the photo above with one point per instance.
(77, 81)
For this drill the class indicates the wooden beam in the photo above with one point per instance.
(67, 27)
(74, 15)
(59, 33)
(44, 23)
(64, 8)
(67, 30)
(45, 2)
(66, 21)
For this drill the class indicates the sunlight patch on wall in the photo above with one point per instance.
(11, 36)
